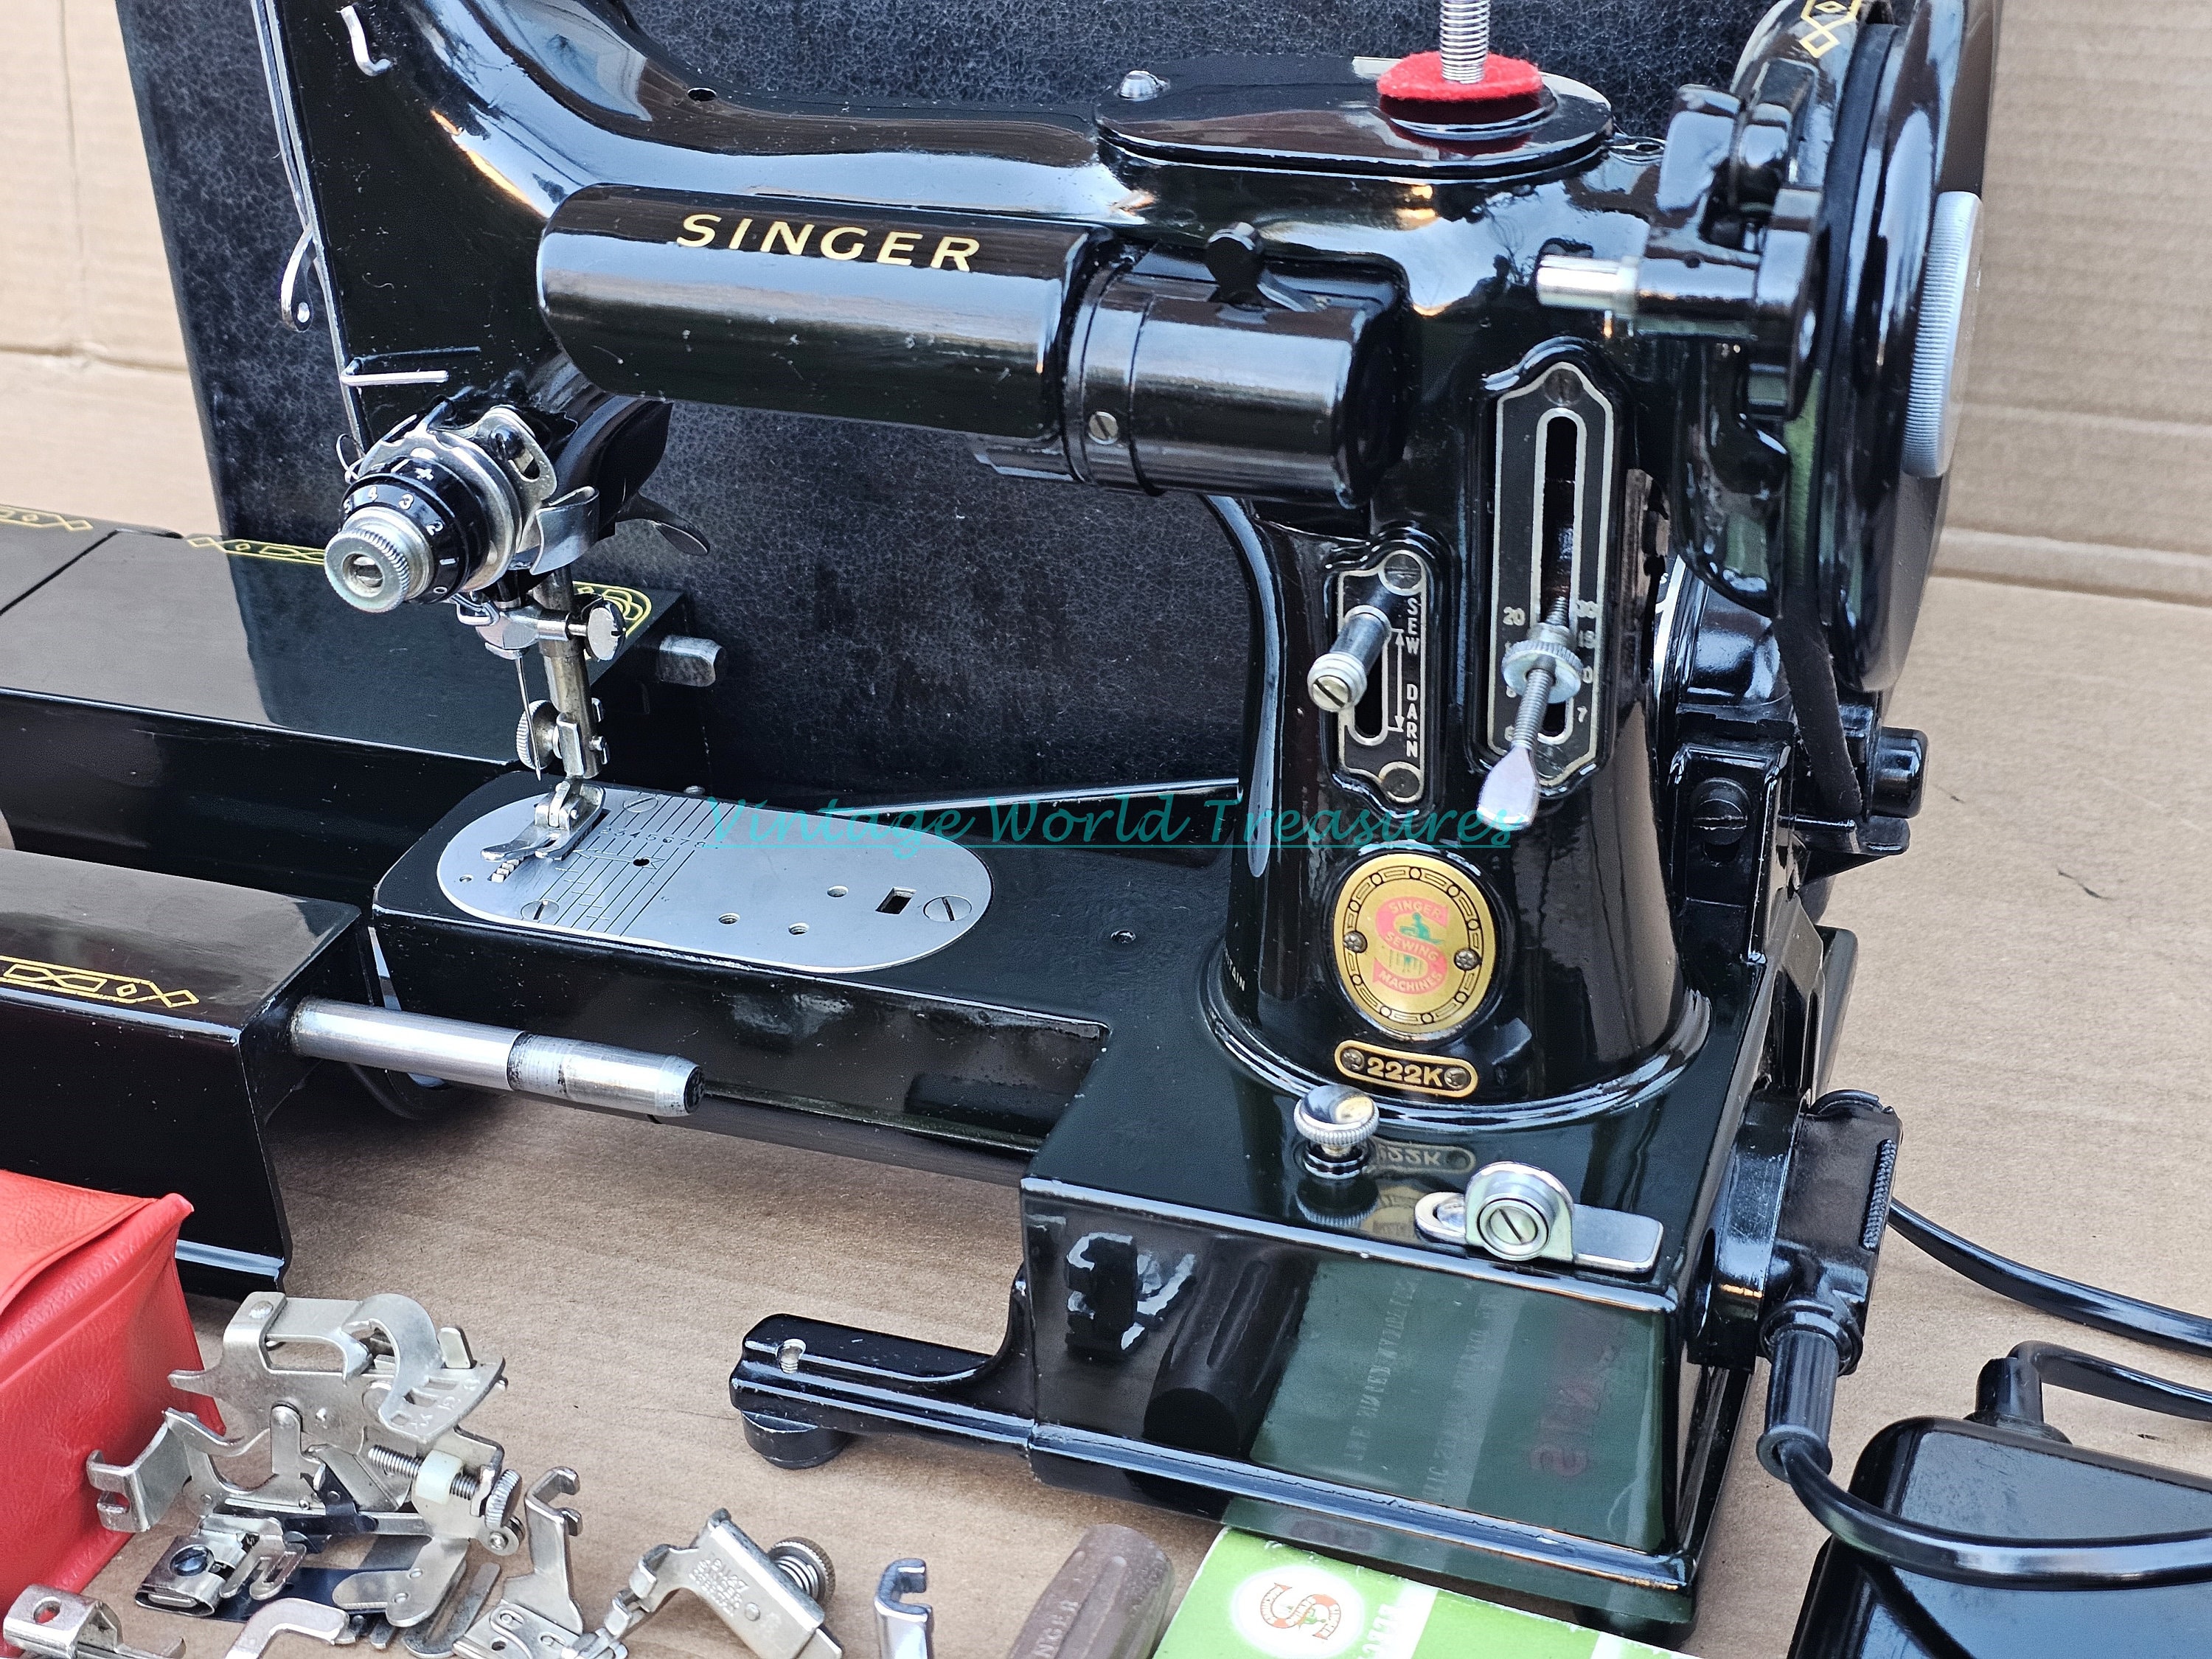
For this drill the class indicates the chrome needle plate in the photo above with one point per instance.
(773, 890)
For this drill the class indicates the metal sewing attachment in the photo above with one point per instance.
(46, 1623)
(440, 510)
(360, 1404)
(333, 1626)
(770, 1599)
(904, 1629)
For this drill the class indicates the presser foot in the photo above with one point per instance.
(558, 824)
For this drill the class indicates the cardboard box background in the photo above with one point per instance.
(96, 409)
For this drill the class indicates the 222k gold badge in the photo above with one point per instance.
(1416, 944)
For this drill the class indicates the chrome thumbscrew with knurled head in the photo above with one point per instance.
(806, 1566)
(1337, 1122)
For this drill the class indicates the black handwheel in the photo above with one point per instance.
(415, 1099)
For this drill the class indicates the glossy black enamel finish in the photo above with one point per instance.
(212, 710)
(35, 547)
(815, 307)
(463, 84)
(1168, 1163)
(1202, 1325)
(142, 1017)
(1195, 1311)
(1079, 632)
(965, 1060)
(1170, 1207)
(2015, 1482)
(1321, 115)
(1928, 123)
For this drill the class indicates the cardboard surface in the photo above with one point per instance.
(96, 411)
(2090, 394)
(2032, 980)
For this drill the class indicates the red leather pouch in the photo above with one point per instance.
(92, 1322)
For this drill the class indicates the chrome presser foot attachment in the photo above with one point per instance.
(360, 1407)
(333, 1626)
(47, 1623)
(904, 1629)
(559, 823)
(770, 1599)
(537, 1616)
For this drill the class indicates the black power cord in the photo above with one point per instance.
(1815, 1334)
(2182, 1558)
(2062, 1299)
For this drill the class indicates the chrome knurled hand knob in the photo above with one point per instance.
(1337, 1123)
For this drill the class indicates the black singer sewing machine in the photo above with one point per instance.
(1421, 1137)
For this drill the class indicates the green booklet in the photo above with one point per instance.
(1269, 1600)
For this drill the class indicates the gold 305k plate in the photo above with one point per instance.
(1416, 944)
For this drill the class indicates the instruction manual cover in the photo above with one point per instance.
(1253, 1596)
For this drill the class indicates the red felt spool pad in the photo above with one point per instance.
(1415, 87)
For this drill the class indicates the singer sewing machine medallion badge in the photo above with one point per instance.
(1416, 943)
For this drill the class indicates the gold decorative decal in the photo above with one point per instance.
(281, 552)
(1380, 1068)
(29, 518)
(1416, 944)
(633, 606)
(1824, 22)
(874, 243)
(61, 980)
